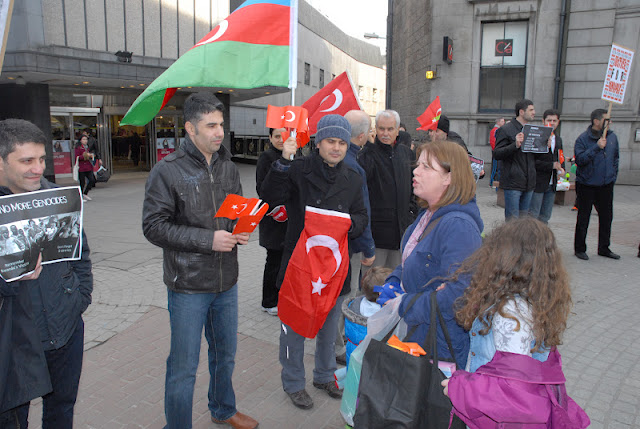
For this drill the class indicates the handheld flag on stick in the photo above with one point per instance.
(335, 98)
(291, 118)
(254, 47)
(316, 271)
(248, 211)
(429, 119)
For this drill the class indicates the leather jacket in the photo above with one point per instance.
(182, 195)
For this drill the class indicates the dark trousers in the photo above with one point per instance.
(86, 179)
(602, 198)
(65, 365)
(271, 268)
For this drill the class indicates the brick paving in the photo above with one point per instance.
(127, 329)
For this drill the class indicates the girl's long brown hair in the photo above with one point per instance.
(521, 258)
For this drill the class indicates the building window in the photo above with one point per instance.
(321, 81)
(307, 74)
(375, 95)
(361, 92)
(503, 64)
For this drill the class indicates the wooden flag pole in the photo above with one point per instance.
(604, 134)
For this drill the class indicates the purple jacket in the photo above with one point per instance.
(515, 390)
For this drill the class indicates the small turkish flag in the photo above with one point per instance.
(279, 213)
(250, 222)
(290, 117)
(235, 206)
(429, 119)
(335, 98)
(316, 271)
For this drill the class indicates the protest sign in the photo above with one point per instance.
(618, 70)
(477, 165)
(47, 222)
(536, 138)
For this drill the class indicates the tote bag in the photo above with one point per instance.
(76, 170)
(398, 390)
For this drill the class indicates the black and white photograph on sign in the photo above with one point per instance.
(536, 138)
(46, 222)
(477, 165)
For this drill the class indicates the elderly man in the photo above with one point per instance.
(323, 181)
(388, 167)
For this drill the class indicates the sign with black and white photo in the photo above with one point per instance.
(47, 222)
(536, 138)
(477, 165)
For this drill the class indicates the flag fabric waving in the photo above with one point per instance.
(335, 98)
(235, 206)
(250, 222)
(429, 119)
(317, 269)
(253, 47)
(290, 117)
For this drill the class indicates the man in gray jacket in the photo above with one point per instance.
(59, 292)
(200, 262)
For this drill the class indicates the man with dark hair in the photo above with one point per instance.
(548, 165)
(320, 181)
(200, 262)
(59, 293)
(597, 158)
(388, 166)
(518, 176)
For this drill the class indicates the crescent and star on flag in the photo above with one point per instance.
(331, 244)
(336, 104)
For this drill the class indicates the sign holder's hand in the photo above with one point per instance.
(36, 272)
(223, 241)
(519, 139)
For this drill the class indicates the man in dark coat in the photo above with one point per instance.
(272, 227)
(320, 180)
(59, 292)
(518, 176)
(388, 167)
(548, 166)
(597, 158)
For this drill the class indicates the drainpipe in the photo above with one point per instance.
(389, 53)
(556, 91)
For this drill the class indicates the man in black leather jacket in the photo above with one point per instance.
(200, 261)
(58, 292)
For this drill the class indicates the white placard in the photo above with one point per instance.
(618, 71)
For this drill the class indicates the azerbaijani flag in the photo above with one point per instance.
(253, 47)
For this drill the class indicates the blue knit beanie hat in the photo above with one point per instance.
(334, 126)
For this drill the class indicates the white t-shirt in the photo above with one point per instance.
(505, 336)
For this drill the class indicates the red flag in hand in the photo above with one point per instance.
(290, 117)
(335, 98)
(250, 222)
(235, 206)
(429, 119)
(316, 271)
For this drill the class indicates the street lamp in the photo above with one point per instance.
(373, 36)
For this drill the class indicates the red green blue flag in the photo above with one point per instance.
(253, 47)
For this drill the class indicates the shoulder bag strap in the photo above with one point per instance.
(413, 301)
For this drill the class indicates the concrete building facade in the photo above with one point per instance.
(72, 65)
(556, 55)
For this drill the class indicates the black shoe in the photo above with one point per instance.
(342, 359)
(330, 388)
(301, 399)
(582, 255)
(609, 254)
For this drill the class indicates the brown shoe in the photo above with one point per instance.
(238, 421)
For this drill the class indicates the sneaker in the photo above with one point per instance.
(86, 197)
(330, 388)
(273, 311)
(301, 399)
(574, 209)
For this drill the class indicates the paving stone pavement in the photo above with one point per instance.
(127, 329)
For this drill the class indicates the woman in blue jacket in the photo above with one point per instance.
(445, 233)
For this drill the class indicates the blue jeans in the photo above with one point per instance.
(495, 171)
(65, 365)
(542, 204)
(189, 313)
(516, 203)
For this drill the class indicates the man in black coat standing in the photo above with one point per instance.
(323, 181)
(548, 165)
(388, 167)
(518, 177)
(272, 227)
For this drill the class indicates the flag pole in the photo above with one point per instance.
(293, 55)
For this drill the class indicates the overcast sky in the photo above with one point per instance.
(356, 17)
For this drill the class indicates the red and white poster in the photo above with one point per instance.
(165, 146)
(618, 71)
(62, 158)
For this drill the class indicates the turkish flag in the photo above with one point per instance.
(429, 119)
(337, 97)
(235, 206)
(250, 222)
(279, 213)
(290, 117)
(316, 271)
